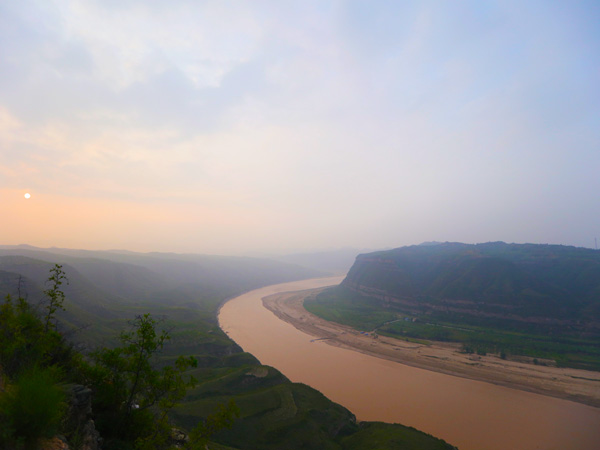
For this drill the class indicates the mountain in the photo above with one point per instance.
(519, 283)
(169, 277)
(85, 302)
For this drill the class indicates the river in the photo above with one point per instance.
(472, 415)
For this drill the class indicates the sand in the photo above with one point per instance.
(571, 384)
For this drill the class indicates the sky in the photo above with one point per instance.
(238, 127)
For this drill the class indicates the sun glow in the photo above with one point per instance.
(27, 195)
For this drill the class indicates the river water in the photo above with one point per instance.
(470, 414)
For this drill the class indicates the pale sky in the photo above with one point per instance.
(273, 126)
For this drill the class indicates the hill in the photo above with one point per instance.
(154, 276)
(512, 282)
(106, 288)
(483, 295)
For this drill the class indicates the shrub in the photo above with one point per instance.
(31, 408)
(132, 395)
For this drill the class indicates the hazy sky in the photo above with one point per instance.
(242, 126)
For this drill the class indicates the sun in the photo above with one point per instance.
(27, 195)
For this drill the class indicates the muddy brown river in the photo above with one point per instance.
(472, 415)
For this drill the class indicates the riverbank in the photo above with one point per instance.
(570, 384)
(471, 414)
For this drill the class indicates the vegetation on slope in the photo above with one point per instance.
(534, 300)
(273, 412)
(524, 280)
(132, 396)
(379, 435)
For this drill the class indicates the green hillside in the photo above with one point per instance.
(275, 413)
(526, 281)
(537, 300)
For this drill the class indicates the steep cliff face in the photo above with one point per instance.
(535, 283)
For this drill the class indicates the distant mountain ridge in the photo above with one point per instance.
(106, 285)
(513, 282)
(125, 273)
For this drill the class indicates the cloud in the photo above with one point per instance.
(316, 123)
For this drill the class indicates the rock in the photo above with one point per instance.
(258, 372)
(80, 403)
(55, 443)
(178, 438)
(90, 437)
(79, 422)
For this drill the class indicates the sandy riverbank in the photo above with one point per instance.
(570, 384)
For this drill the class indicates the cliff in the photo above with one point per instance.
(528, 283)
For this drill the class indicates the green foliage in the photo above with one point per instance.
(31, 408)
(32, 358)
(274, 413)
(222, 418)
(476, 334)
(24, 341)
(135, 387)
(384, 436)
(54, 294)
(20, 336)
(134, 396)
(350, 308)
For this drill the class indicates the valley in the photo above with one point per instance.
(107, 292)
(471, 414)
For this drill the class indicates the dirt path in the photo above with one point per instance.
(572, 384)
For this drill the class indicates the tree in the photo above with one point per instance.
(133, 396)
(26, 340)
(33, 361)
(31, 407)
(54, 293)
(223, 417)
(134, 391)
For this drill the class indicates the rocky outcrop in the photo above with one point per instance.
(177, 438)
(79, 423)
(55, 443)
